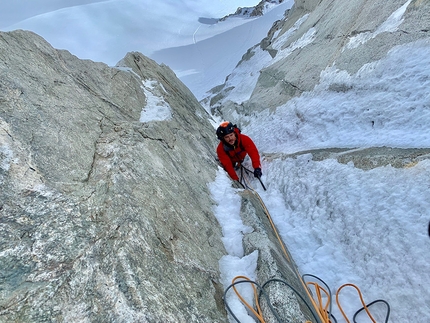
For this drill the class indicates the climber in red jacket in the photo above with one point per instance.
(234, 147)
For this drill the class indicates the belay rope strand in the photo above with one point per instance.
(245, 183)
(323, 310)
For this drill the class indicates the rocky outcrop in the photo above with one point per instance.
(103, 218)
(105, 213)
(255, 11)
(365, 158)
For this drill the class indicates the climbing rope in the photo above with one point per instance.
(248, 186)
(246, 183)
(257, 298)
(387, 316)
(365, 307)
(258, 312)
(322, 309)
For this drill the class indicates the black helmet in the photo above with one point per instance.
(224, 128)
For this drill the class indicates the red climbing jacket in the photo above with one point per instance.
(229, 155)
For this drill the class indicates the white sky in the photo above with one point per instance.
(14, 11)
(341, 223)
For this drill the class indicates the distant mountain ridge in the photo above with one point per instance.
(312, 36)
(255, 11)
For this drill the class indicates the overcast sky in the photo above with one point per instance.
(106, 30)
(14, 11)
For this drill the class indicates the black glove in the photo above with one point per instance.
(257, 172)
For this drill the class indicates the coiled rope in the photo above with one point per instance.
(323, 310)
(258, 313)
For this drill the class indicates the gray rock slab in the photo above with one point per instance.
(102, 218)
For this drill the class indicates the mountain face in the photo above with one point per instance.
(311, 55)
(105, 211)
(316, 34)
(103, 218)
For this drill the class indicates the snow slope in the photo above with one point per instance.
(342, 223)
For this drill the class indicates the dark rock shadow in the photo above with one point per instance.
(208, 21)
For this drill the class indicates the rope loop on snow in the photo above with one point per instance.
(365, 307)
(257, 298)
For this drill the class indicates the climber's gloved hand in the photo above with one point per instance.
(257, 172)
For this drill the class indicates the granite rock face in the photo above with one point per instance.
(103, 218)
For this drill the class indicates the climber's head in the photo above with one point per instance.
(225, 132)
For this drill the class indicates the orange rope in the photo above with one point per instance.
(270, 219)
(323, 309)
(361, 299)
(257, 313)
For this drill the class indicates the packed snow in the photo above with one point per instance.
(340, 223)
(386, 104)
(156, 108)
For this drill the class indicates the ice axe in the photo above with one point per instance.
(251, 172)
(264, 187)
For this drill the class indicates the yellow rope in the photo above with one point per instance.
(258, 313)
